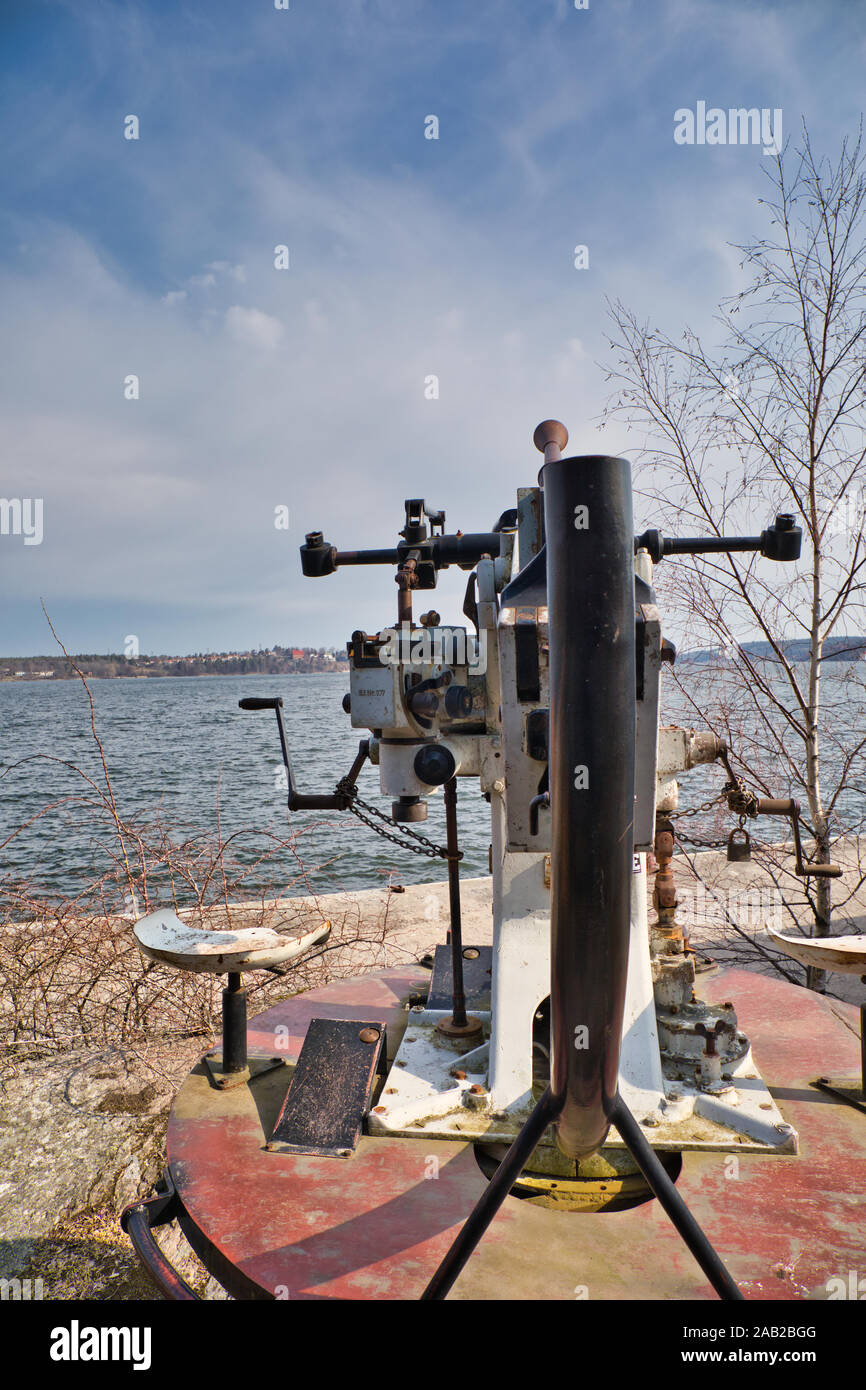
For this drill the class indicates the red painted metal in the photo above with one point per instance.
(378, 1224)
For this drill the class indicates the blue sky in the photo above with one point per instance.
(408, 257)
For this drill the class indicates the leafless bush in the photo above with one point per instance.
(70, 969)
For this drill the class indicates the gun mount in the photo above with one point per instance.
(587, 1044)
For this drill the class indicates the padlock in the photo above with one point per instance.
(739, 851)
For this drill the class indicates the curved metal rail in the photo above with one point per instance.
(139, 1220)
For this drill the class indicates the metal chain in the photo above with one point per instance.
(424, 846)
(697, 811)
(432, 851)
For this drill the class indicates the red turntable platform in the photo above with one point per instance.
(376, 1225)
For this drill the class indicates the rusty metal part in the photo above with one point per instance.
(739, 851)
(330, 1090)
(472, 1028)
(224, 1080)
(744, 803)
(667, 934)
(406, 579)
(711, 1034)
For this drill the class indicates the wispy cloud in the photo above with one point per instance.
(409, 258)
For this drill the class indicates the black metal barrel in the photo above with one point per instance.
(590, 585)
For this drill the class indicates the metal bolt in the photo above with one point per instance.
(390, 1090)
(369, 1035)
(380, 1109)
(417, 1008)
(470, 953)
(765, 1105)
(458, 1074)
(476, 1089)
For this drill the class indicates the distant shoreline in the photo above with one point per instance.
(163, 675)
(277, 661)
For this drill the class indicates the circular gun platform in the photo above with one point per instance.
(376, 1225)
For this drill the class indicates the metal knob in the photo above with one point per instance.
(550, 438)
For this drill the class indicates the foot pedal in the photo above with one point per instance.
(330, 1091)
(477, 968)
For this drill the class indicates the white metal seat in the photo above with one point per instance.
(846, 954)
(163, 937)
(843, 953)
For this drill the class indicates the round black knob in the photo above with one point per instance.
(458, 702)
(434, 764)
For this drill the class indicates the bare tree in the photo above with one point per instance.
(772, 420)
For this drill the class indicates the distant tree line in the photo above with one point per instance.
(275, 661)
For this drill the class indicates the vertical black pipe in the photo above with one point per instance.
(662, 1185)
(458, 993)
(234, 1025)
(492, 1197)
(590, 587)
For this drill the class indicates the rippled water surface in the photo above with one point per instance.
(179, 747)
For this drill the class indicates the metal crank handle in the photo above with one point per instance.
(774, 806)
(339, 800)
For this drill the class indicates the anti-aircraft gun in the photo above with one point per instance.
(573, 1059)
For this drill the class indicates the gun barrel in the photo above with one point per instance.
(590, 582)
